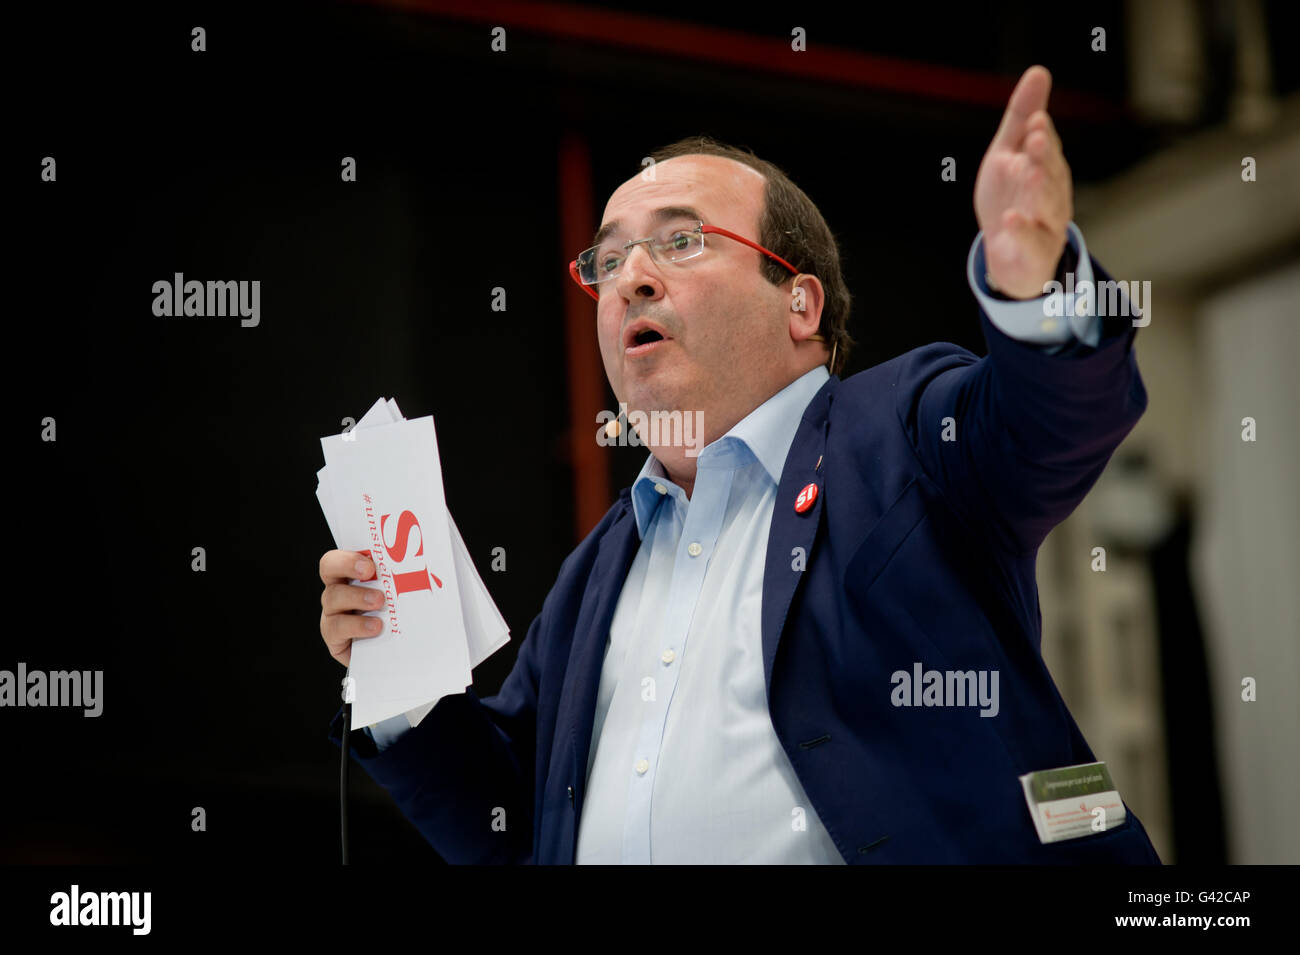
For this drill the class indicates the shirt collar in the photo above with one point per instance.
(767, 432)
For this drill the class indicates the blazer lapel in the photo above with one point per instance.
(614, 557)
(804, 465)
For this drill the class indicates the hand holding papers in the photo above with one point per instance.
(381, 492)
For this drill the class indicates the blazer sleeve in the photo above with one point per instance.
(467, 761)
(1029, 431)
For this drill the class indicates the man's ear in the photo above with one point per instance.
(807, 298)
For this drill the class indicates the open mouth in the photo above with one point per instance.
(642, 337)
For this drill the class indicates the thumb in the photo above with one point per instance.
(1029, 96)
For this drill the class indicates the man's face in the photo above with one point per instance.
(722, 322)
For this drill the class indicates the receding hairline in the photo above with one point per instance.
(607, 228)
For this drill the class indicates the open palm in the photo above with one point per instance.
(1024, 193)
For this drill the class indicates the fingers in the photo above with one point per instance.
(1039, 174)
(1029, 96)
(338, 630)
(1053, 188)
(1041, 140)
(343, 604)
(340, 565)
(341, 598)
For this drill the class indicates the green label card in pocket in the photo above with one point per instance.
(1072, 801)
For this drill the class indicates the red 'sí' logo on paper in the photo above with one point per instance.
(410, 580)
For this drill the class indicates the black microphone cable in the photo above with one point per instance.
(343, 772)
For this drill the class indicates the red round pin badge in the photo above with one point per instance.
(805, 499)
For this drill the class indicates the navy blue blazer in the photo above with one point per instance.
(917, 550)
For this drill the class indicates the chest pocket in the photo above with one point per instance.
(880, 544)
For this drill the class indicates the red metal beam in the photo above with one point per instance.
(747, 51)
(586, 372)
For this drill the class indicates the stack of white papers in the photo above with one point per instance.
(381, 491)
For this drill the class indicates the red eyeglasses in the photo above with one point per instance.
(682, 243)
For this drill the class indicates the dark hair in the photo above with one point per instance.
(791, 226)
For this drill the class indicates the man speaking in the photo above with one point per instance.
(751, 659)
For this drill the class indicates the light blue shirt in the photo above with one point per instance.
(686, 768)
(684, 765)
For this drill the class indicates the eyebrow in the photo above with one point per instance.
(660, 215)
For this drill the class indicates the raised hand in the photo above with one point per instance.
(1024, 195)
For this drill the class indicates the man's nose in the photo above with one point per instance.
(639, 275)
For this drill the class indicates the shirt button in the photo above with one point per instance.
(641, 766)
(668, 656)
(694, 549)
(661, 489)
